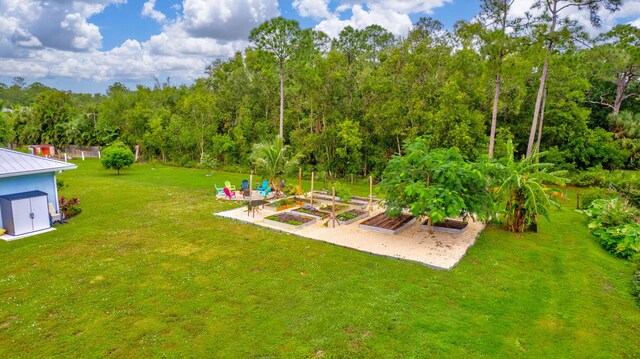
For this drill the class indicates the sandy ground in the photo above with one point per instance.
(438, 250)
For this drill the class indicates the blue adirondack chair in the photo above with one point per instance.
(219, 191)
(266, 191)
(263, 186)
(245, 185)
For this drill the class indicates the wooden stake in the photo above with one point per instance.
(250, 207)
(370, 194)
(312, 175)
(333, 210)
(300, 177)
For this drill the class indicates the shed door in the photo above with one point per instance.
(22, 222)
(40, 210)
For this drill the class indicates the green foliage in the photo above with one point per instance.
(522, 190)
(636, 283)
(272, 161)
(436, 183)
(613, 222)
(596, 194)
(60, 184)
(610, 213)
(117, 156)
(69, 207)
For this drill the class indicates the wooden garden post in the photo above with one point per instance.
(300, 177)
(333, 205)
(250, 207)
(370, 194)
(312, 175)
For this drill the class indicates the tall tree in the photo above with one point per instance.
(553, 26)
(497, 46)
(617, 60)
(280, 37)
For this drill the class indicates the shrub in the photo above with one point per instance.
(622, 241)
(69, 207)
(610, 213)
(593, 177)
(612, 221)
(596, 193)
(636, 283)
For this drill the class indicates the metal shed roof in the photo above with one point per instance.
(14, 164)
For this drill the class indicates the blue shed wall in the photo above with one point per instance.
(44, 182)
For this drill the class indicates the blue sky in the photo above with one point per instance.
(87, 45)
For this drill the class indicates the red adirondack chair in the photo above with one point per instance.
(228, 193)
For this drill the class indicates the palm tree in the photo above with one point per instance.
(270, 158)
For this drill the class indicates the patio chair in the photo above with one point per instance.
(228, 185)
(245, 185)
(228, 193)
(263, 186)
(55, 217)
(219, 191)
(266, 191)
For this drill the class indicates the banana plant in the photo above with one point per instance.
(524, 191)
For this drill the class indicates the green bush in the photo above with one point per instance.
(613, 212)
(593, 177)
(636, 284)
(612, 221)
(596, 193)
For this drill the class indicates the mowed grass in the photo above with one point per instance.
(148, 270)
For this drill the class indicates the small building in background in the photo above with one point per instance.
(43, 150)
(27, 191)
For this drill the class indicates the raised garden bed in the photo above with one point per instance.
(452, 226)
(385, 224)
(311, 212)
(351, 216)
(289, 221)
(325, 196)
(329, 207)
(281, 205)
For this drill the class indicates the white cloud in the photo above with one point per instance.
(148, 9)
(629, 9)
(317, 9)
(225, 19)
(393, 15)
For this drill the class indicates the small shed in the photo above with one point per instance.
(27, 187)
(43, 150)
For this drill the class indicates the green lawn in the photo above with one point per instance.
(147, 270)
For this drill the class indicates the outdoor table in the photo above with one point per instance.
(252, 206)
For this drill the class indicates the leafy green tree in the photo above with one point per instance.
(522, 190)
(434, 183)
(617, 60)
(280, 37)
(117, 156)
(273, 161)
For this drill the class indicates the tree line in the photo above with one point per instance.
(348, 104)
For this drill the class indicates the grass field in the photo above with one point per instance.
(147, 270)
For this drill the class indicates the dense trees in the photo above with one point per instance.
(347, 105)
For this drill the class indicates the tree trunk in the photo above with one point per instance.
(494, 115)
(536, 112)
(281, 99)
(543, 78)
(544, 106)
(399, 148)
(621, 85)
